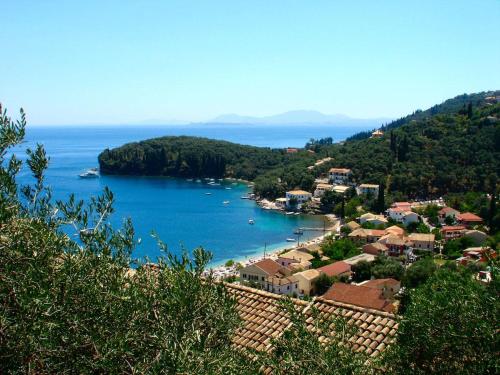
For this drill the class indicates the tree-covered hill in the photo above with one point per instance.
(194, 157)
(460, 103)
(451, 147)
(454, 151)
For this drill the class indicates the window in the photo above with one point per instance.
(262, 278)
(288, 287)
(244, 275)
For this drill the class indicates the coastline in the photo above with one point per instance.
(221, 271)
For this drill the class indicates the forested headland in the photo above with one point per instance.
(450, 148)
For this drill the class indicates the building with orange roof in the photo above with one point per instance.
(469, 219)
(337, 269)
(451, 232)
(389, 286)
(358, 295)
(296, 198)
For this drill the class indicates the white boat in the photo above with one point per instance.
(251, 221)
(226, 202)
(291, 240)
(208, 193)
(228, 188)
(297, 213)
(90, 173)
(289, 213)
(245, 197)
(298, 231)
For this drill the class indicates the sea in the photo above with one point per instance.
(178, 211)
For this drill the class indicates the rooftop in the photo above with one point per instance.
(340, 170)
(297, 255)
(269, 266)
(422, 237)
(468, 216)
(263, 320)
(359, 295)
(308, 274)
(335, 269)
(298, 192)
(377, 283)
(452, 228)
(358, 258)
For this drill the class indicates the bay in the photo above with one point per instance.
(181, 212)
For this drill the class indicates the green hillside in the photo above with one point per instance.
(451, 147)
(426, 154)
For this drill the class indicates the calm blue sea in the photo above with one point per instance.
(178, 210)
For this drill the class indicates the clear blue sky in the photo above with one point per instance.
(102, 61)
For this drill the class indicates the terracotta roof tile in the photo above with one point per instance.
(264, 320)
(335, 269)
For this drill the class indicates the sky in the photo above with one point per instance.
(92, 62)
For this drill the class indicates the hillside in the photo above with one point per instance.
(449, 106)
(451, 147)
(192, 157)
(428, 154)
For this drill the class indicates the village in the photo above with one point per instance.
(392, 242)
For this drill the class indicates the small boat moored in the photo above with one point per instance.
(226, 202)
(291, 240)
(251, 221)
(90, 173)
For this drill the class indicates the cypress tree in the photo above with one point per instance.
(381, 198)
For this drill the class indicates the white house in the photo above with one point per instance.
(340, 176)
(340, 189)
(373, 219)
(288, 285)
(321, 188)
(296, 198)
(401, 215)
(423, 241)
(280, 202)
(367, 189)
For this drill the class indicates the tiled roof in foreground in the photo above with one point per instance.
(263, 320)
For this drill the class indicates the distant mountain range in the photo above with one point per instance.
(295, 117)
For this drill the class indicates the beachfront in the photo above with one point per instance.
(222, 271)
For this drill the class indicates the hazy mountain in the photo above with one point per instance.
(293, 117)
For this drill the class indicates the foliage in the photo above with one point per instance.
(429, 153)
(229, 263)
(386, 267)
(361, 271)
(435, 152)
(449, 327)
(419, 272)
(70, 301)
(453, 248)
(323, 283)
(299, 351)
(339, 249)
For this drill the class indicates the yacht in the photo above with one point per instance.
(291, 240)
(226, 202)
(251, 221)
(208, 193)
(90, 173)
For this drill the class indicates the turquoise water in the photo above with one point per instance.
(179, 211)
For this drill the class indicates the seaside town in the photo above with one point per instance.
(250, 188)
(382, 247)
